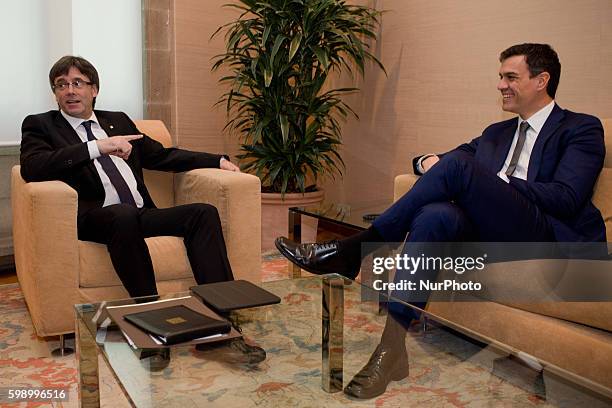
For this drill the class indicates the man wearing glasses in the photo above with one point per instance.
(101, 155)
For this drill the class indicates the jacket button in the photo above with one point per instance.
(69, 162)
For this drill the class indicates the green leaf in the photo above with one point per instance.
(277, 45)
(284, 124)
(268, 77)
(295, 45)
(265, 36)
(321, 56)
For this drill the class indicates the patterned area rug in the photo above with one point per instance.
(443, 372)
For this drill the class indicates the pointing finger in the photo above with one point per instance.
(132, 137)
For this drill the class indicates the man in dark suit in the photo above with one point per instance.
(101, 155)
(529, 178)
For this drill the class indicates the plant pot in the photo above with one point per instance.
(275, 216)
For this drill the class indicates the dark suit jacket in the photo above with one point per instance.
(52, 150)
(564, 165)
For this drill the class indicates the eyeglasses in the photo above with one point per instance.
(77, 84)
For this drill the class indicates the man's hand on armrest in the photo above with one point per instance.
(428, 162)
(423, 163)
(225, 164)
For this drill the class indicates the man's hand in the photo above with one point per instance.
(429, 162)
(119, 146)
(228, 165)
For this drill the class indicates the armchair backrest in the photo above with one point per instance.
(160, 184)
(602, 197)
(607, 125)
(156, 130)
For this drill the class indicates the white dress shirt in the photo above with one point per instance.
(536, 122)
(110, 193)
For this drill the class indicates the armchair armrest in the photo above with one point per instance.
(402, 184)
(46, 249)
(237, 197)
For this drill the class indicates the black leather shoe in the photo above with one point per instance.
(317, 258)
(384, 366)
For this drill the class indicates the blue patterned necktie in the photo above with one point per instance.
(111, 170)
(518, 148)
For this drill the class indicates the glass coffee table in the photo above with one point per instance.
(316, 340)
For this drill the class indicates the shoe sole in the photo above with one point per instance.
(398, 375)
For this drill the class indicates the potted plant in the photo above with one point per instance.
(279, 55)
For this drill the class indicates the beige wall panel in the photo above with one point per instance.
(442, 61)
(159, 62)
(199, 124)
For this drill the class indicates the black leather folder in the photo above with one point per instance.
(224, 297)
(177, 324)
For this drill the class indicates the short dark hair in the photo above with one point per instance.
(539, 58)
(63, 65)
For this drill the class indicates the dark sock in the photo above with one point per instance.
(394, 333)
(351, 246)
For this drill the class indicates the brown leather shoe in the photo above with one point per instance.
(385, 365)
(253, 353)
(236, 351)
(318, 258)
(155, 359)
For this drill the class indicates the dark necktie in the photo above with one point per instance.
(111, 170)
(518, 148)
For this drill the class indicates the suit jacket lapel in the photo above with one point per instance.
(550, 126)
(64, 128)
(106, 124)
(71, 136)
(504, 142)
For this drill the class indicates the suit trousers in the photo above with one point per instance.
(459, 200)
(123, 228)
(497, 211)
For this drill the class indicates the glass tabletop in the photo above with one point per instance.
(448, 364)
(355, 215)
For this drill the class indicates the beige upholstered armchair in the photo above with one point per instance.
(56, 270)
(576, 336)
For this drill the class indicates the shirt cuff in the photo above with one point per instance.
(503, 176)
(419, 164)
(223, 157)
(94, 152)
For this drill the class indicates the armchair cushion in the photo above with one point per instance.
(602, 198)
(607, 125)
(167, 253)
